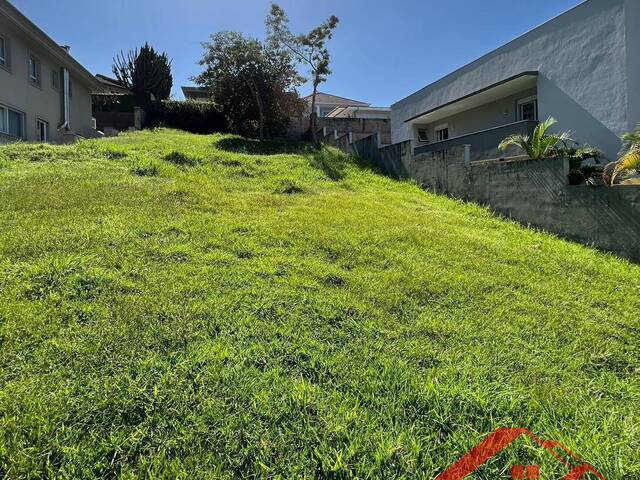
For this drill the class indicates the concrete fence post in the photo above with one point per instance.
(467, 156)
(138, 118)
(335, 133)
(350, 138)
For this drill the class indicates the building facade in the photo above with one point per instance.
(196, 94)
(582, 68)
(45, 95)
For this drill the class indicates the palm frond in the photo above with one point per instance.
(515, 140)
(630, 161)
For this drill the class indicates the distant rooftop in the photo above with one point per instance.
(328, 99)
(190, 92)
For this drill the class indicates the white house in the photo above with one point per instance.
(45, 94)
(582, 68)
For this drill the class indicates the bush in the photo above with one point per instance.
(576, 177)
(194, 117)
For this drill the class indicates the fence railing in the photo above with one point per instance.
(484, 144)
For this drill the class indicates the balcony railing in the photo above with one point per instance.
(484, 144)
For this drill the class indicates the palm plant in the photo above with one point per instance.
(540, 144)
(630, 157)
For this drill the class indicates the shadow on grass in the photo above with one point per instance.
(266, 147)
(331, 162)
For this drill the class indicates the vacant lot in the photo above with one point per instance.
(187, 306)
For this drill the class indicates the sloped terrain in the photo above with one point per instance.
(185, 306)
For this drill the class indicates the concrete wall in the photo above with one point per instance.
(582, 59)
(633, 61)
(534, 192)
(41, 101)
(390, 159)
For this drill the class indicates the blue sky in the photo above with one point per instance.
(382, 51)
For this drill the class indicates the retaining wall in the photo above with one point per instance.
(534, 192)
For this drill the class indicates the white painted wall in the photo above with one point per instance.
(582, 59)
(42, 101)
(633, 61)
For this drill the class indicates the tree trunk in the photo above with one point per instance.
(312, 119)
(256, 94)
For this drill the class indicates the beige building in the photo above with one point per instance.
(196, 94)
(45, 95)
(326, 103)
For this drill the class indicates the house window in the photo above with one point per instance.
(528, 109)
(3, 52)
(42, 129)
(423, 135)
(34, 70)
(11, 122)
(442, 133)
(55, 79)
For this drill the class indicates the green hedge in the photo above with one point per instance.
(194, 117)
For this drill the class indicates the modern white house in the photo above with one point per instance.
(326, 103)
(582, 68)
(45, 94)
(196, 94)
(360, 112)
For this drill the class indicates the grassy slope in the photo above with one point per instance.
(169, 306)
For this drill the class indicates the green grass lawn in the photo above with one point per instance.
(183, 306)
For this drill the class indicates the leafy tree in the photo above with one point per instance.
(145, 72)
(540, 144)
(239, 68)
(308, 49)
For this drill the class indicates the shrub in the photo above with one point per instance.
(194, 117)
(576, 177)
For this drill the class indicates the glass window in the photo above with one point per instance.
(3, 120)
(423, 135)
(55, 80)
(34, 69)
(528, 109)
(3, 51)
(43, 130)
(442, 134)
(15, 124)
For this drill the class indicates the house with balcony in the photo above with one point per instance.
(582, 68)
(45, 94)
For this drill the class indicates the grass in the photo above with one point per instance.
(182, 306)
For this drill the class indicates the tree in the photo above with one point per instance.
(540, 144)
(238, 68)
(145, 72)
(308, 49)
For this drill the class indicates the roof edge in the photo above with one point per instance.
(469, 95)
(36, 33)
(491, 52)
